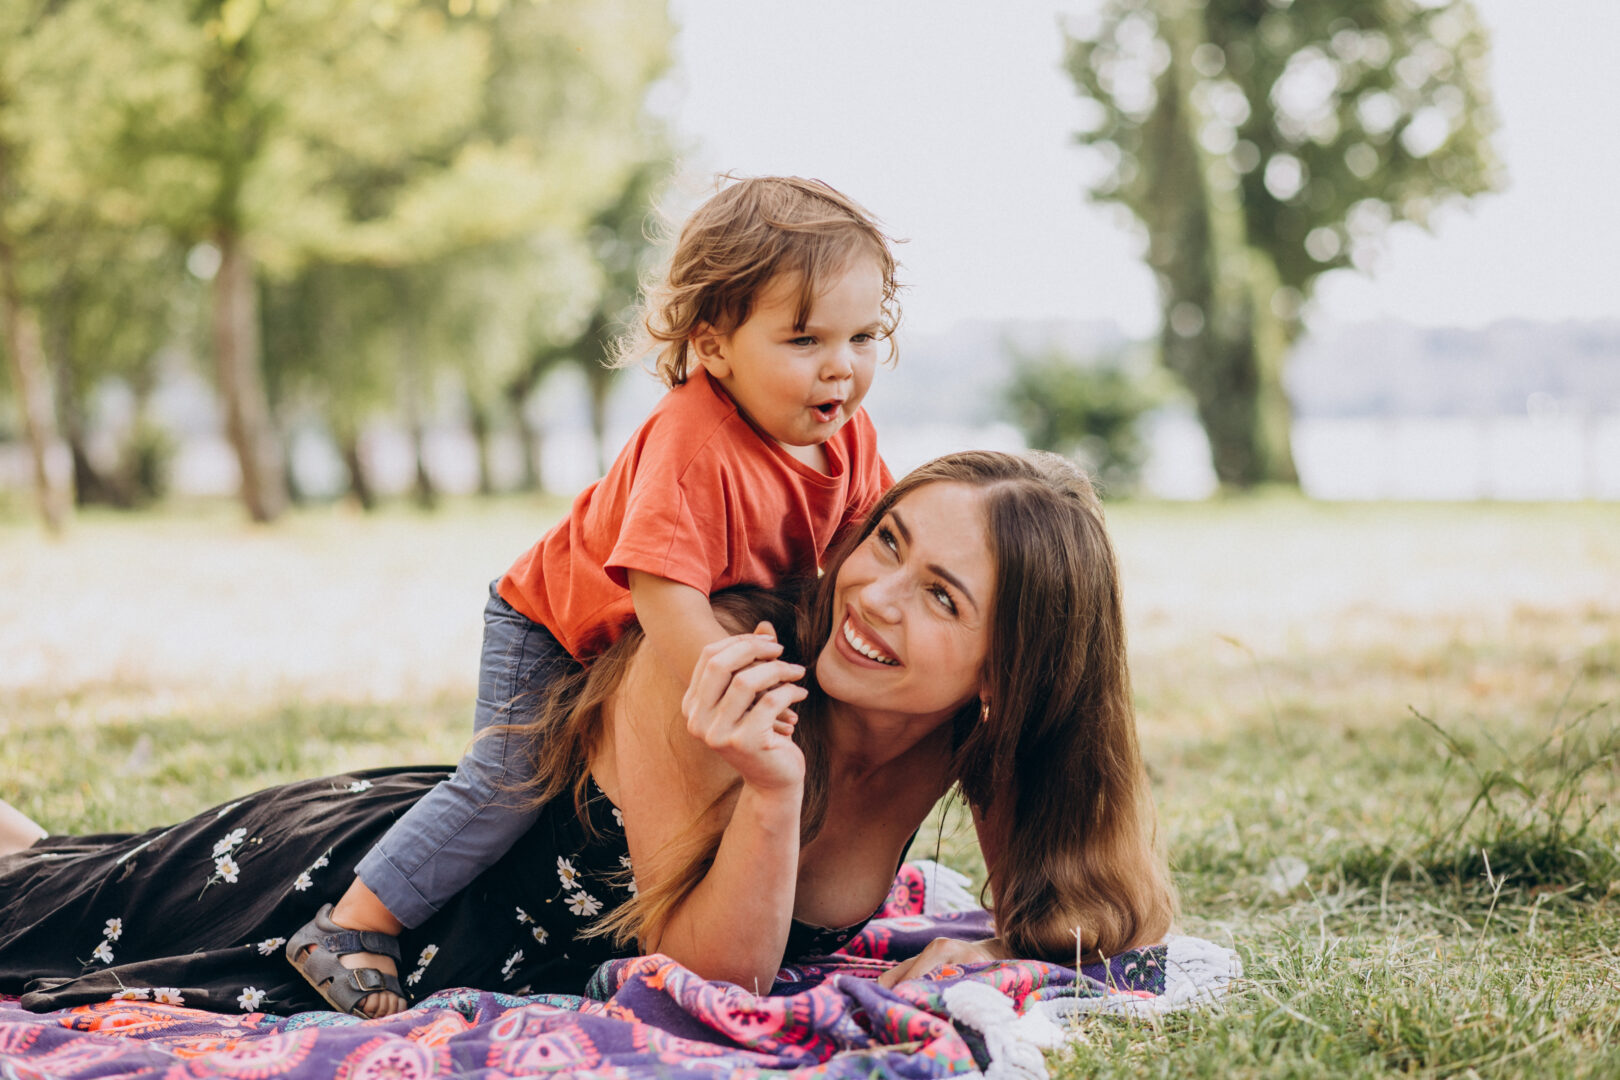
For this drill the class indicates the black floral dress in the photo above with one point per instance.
(199, 913)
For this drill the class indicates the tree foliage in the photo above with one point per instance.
(1261, 144)
(1089, 410)
(409, 185)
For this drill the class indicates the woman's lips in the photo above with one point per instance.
(864, 644)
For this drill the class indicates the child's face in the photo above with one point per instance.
(800, 386)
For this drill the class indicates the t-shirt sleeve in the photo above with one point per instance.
(675, 519)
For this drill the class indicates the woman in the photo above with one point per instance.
(970, 633)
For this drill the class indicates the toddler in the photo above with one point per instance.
(767, 330)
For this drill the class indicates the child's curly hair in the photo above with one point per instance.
(747, 235)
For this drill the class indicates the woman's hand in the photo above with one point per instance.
(739, 704)
(939, 953)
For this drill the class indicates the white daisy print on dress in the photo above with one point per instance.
(249, 998)
(304, 880)
(103, 953)
(269, 945)
(168, 995)
(226, 868)
(358, 786)
(583, 903)
(132, 993)
(508, 968)
(566, 873)
(114, 929)
(540, 934)
(422, 961)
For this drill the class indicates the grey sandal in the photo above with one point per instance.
(314, 951)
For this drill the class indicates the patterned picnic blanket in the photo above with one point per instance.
(648, 1017)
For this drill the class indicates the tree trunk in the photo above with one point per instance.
(1219, 335)
(241, 381)
(52, 473)
(478, 418)
(423, 490)
(91, 483)
(359, 483)
(532, 478)
(599, 379)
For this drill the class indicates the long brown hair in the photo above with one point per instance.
(1054, 766)
(750, 233)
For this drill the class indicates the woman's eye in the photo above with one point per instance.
(941, 594)
(885, 537)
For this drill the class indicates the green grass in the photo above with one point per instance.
(1384, 740)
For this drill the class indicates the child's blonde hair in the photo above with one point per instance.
(750, 233)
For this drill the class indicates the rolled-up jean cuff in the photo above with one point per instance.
(394, 889)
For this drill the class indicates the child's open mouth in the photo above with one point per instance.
(827, 410)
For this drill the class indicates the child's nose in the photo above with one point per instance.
(840, 363)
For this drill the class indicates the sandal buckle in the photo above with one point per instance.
(367, 980)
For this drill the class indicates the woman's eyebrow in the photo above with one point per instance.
(956, 582)
(900, 525)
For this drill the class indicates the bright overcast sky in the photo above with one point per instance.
(950, 119)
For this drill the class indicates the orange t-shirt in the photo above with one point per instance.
(698, 497)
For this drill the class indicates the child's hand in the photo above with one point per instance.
(739, 704)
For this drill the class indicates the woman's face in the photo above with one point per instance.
(911, 618)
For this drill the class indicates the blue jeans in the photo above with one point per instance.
(465, 823)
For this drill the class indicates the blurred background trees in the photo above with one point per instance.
(1260, 144)
(376, 197)
(370, 214)
(1089, 409)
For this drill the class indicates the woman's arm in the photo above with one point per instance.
(734, 722)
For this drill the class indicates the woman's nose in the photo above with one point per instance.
(881, 597)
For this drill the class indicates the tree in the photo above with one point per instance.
(622, 250)
(1090, 410)
(493, 254)
(22, 223)
(259, 129)
(574, 75)
(114, 299)
(1260, 144)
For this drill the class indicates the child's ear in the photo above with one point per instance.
(709, 346)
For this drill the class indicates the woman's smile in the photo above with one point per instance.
(863, 644)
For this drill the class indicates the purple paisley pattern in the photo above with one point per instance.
(646, 1018)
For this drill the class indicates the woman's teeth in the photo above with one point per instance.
(859, 644)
